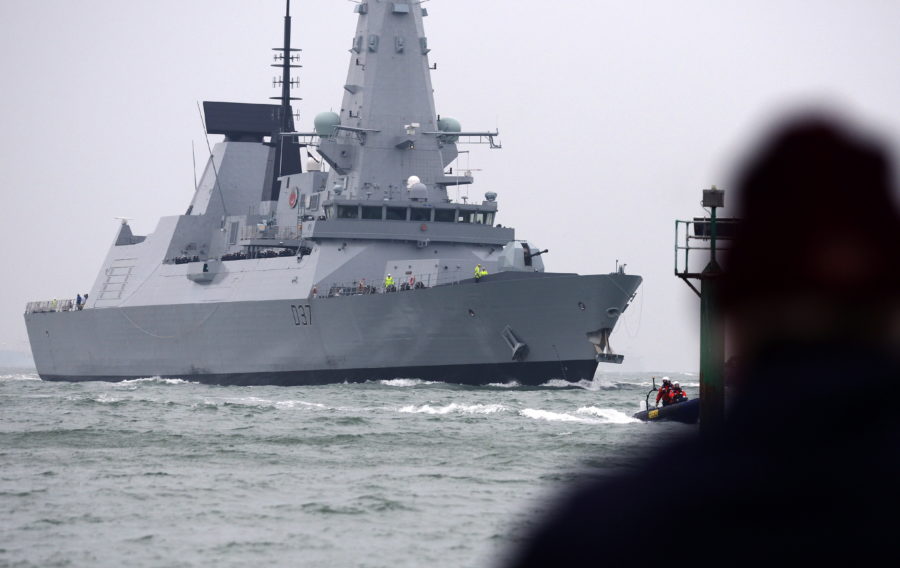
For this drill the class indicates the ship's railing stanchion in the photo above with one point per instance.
(66, 305)
(365, 286)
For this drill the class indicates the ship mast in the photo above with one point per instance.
(287, 159)
(285, 60)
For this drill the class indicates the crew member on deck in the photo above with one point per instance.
(479, 272)
(663, 393)
(389, 283)
(677, 395)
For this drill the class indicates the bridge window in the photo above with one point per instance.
(419, 214)
(484, 218)
(371, 212)
(348, 212)
(395, 213)
(444, 215)
(465, 216)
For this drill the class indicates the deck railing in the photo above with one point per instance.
(67, 305)
(273, 232)
(402, 283)
(694, 235)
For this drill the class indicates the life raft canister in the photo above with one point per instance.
(293, 198)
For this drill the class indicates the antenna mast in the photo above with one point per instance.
(286, 61)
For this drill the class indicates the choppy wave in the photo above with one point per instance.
(454, 408)
(610, 415)
(351, 454)
(107, 399)
(19, 377)
(157, 380)
(406, 382)
(562, 384)
(550, 416)
(594, 385)
(584, 415)
(257, 402)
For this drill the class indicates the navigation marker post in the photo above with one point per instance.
(712, 333)
(712, 336)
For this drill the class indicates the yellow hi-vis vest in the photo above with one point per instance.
(479, 272)
(389, 281)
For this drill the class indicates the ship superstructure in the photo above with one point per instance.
(357, 266)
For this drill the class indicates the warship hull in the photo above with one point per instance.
(457, 333)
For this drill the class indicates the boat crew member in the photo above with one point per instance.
(388, 283)
(479, 272)
(678, 395)
(78, 302)
(663, 393)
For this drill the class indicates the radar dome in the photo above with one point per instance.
(490, 196)
(418, 192)
(447, 124)
(412, 180)
(325, 122)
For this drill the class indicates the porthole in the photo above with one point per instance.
(613, 312)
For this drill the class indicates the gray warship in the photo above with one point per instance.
(355, 265)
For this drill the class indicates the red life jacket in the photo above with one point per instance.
(663, 394)
(670, 397)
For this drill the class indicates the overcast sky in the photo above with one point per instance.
(613, 116)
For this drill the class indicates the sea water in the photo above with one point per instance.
(405, 472)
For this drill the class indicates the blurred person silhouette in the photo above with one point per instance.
(806, 467)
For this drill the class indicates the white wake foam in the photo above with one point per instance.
(107, 399)
(610, 415)
(594, 385)
(296, 403)
(584, 415)
(509, 385)
(158, 380)
(454, 408)
(549, 416)
(561, 384)
(264, 403)
(19, 378)
(405, 382)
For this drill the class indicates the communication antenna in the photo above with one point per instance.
(286, 60)
(124, 220)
